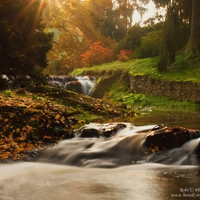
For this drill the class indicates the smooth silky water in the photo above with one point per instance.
(115, 168)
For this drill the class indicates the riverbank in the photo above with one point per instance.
(33, 121)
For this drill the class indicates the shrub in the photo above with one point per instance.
(150, 45)
(97, 54)
(124, 55)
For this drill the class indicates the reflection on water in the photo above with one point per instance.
(182, 118)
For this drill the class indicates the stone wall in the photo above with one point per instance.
(172, 89)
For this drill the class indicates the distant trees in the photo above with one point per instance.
(114, 17)
(82, 23)
(23, 43)
(76, 32)
(182, 30)
(78, 24)
(143, 41)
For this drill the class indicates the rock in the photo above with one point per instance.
(99, 130)
(111, 132)
(74, 86)
(164, 138)
(89, 132)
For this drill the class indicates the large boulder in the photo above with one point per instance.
(163, 138)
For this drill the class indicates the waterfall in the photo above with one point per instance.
(79, 84)
(86, 83)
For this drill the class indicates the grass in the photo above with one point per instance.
(183, 69)
(142, 100)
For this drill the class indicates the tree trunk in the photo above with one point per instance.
(194, 41)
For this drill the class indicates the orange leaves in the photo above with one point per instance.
(57, 117)
(13, 148)
(124, 55)
(97, 54)
(24, 128)
(17, 130)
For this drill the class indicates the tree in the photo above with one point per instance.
(134, 36)
(75, 22)
(177, 30)
(194, 40)
(189, 12)
(114, 17)
(83, 22)
(150, 45)
(23, 43)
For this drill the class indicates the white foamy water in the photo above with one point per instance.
(112, 169)
(87, 83)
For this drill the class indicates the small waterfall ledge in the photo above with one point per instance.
(80, 84)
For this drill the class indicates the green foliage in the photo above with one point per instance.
(176, 31)
(53, 68)
(143, 100)
(135, 99)
(8, 93)
(150, 45)
(184, 69)
(47, 89)
(134, 36)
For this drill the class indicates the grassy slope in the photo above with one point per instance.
(182, 70)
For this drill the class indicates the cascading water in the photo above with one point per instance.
(86, 83)
(133, 174)
(125, 147)
(80, 84)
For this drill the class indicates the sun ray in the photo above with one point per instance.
(24, 10)
(37, 15)
(50, 5)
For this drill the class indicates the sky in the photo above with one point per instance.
(150, 13)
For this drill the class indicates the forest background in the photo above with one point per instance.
(56, 37)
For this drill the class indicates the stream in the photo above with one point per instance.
(114, 168)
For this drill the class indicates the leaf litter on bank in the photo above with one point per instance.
(26, 123)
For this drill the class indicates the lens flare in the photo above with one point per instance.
(24, 10)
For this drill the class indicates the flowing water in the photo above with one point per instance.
(72, 83)
(115, 168)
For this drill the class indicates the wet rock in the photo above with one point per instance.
(74, 86)
(99, 130)
(89, 132)
(162, 137)
(113, 131)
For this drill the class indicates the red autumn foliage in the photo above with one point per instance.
(97, 54)
(124, 55)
